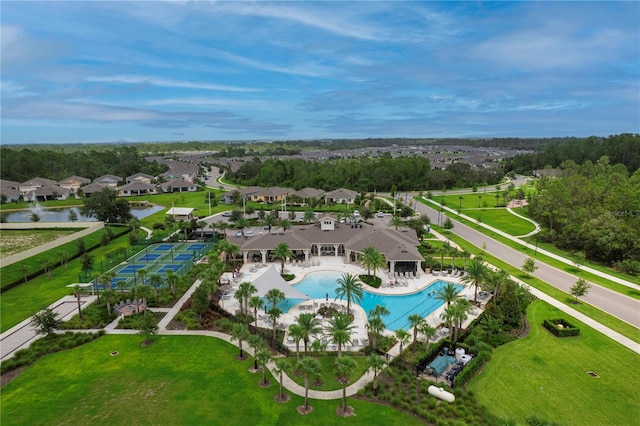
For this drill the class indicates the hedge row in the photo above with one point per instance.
(567, 329)
(47, 345)
(471, 368)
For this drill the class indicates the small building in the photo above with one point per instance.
(305, 194)
(272, 195)
(9, 195)
(245, 193)
(48, 192)
(92, 188)
(181, 213)
(32, 184)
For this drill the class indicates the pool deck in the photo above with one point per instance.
(360, 336)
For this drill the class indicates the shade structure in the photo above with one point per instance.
(270, 279)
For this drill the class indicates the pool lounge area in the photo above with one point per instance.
(319, 294)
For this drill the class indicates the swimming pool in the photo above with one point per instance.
(317, 285)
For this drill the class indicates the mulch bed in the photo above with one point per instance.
(9, 376)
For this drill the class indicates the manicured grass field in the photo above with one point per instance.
(547, 376)
(180, 380)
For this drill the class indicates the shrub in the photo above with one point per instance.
(561, 328)
(471, 368)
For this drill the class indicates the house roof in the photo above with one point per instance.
(8, 183)
(73, 180)
(309, 193)
(274, 191)
(137, 186)
(140, 175)
(108, 178)
(50, 190)
(180, 211)
(177, 183)
(270, 279)
(38, 181)
(341, 193)
(93, 187)
(9, 192)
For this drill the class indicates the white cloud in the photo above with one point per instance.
(163, 82)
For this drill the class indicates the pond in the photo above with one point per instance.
(62, 215)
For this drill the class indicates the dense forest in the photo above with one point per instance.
(593, 208)
(23, 164)
(623, 149)
(382, 173)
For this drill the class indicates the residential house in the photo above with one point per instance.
(272, 195)
(72, 183)
(140, 177)
(8, 194)
(137, 188)
(305, 194)
(32, 184)
(245, 193)
(48, 192)
(339, 196)
(179, 185)
(87, 190)
(109, 180)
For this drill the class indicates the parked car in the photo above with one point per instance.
(379, 214)
(239, 234)
(226, 214)
(249, 233)
(356, 213)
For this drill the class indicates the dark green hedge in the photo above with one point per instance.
(471, 368)
(567, 329)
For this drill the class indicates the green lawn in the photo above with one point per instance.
(501, 219)
(180, 380)
(547, 376)
(327, 371)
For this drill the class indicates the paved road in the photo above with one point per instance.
(616, 304)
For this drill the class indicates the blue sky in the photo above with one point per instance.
(166, 71)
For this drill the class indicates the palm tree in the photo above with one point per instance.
(415, 320)
(296, 333)
(372, 259)
(448, 317)
(274, 296)
(378, 312)
(285, 224)
(465, 255)
(309, 215)
(280, 365)
(350, 289)
(476, 275)
(155, 280)
(121, 286)
(310, 325)
(403, 337)
(274, 314)
(243, 293)
(263, 356)
(496, 280)
(282, 252)
(256, 343)
(142, 273)
(242, 223)
(460, 311)
(109, 297)
(240, 332)
(308, 366)
(173, 279)
(255, 302)
(339, 329)
(141, 292)
(76, 292)
(447, 294)
(375, 327)
(345, 366)
(396, 221)
(428, 332)
(271, 221)
(376, 363)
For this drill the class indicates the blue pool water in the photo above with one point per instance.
(318, 285)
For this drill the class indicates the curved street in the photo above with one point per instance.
(609, 301)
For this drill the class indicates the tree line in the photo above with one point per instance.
(23, 164)
(383, 173)
(592, 208)
(623, 148)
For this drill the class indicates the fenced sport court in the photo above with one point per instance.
(157, 259)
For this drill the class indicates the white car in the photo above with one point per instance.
(249, 233)
(356, 213)
(379, 214)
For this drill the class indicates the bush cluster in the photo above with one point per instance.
(567, 329)
(471, 368)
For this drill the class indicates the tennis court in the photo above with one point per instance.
(158, 259)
